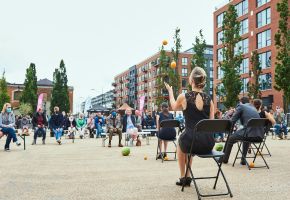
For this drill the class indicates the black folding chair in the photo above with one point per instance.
(258, 145)
(170, 123)
(264, 145)
(208, 126)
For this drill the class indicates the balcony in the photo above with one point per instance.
(145, 80)
(144, 70)
(114, 91)
(121, 81)
(114, 84)
(127, 78)
(127, 85)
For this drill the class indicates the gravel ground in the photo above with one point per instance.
(86, 170)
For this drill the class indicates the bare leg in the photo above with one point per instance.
(181, 161)
(165, 145)
(160, 145)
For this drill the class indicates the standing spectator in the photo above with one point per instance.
(280, 125)
(39, 123)
(164, 133)
(91, 125)
(114, 126)
(7, 123)
(81, 125)
(99, 123)
(56, 123)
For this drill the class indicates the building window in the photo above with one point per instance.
(220, 36)
(220, 19)
(220, 55)
(184, 83)
(184, 72)
(262, 2)
(17, 95)
(242, 8)
(264, 17)
(211, 64)
(264, 39)
(244, 26)
(184, 91)
(265, 81)
(244, 68)
(208, 51)
(210, 74)
(245, 82)
(242, 46)
(184, 61)
(220, 73)
(265, 59)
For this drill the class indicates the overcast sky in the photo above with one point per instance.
(96, 39)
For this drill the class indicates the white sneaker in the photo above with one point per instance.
(18, 143)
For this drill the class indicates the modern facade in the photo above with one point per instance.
(259, 22)
(43, 86)
(140, 80)
(104, 100)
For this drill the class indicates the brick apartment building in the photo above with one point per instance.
(140, 80)
(259, 23)
(43, 86)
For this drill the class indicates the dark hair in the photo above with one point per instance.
(257, 103)
(164, 105)
(245, 100)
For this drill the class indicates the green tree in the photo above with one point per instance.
(25, 109)
(282, 42)
(254, 85)
(162, 76)
(29, 94)
(232, 58)
(4, 97)
(65, 93)
(56, 94)
(174, 78)
(198, 59)
(60, 93)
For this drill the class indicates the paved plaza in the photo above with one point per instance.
(86, 170)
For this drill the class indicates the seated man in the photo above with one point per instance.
(129, 125)
(244, 112)
(114, 127)
(39, 123)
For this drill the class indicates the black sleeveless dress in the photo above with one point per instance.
(203, 143)
(166, 133)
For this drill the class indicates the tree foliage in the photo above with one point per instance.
(282, 42)
(60, 95)
(232, 60)
(25, 109)
(4, 97)
(174, 78)
(198, 59)
(29, 94)
(254, 85)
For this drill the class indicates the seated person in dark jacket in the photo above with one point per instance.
(164, 133)
(244, 112)
(39, 123)
(114, 127)
(129, 121)
(56, 124)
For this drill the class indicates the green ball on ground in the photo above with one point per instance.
(219, 147)
(126, 151)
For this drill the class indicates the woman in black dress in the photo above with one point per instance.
(164, 133)
(196, 106)
(263, 114)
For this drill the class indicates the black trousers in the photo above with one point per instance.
(237, 136)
